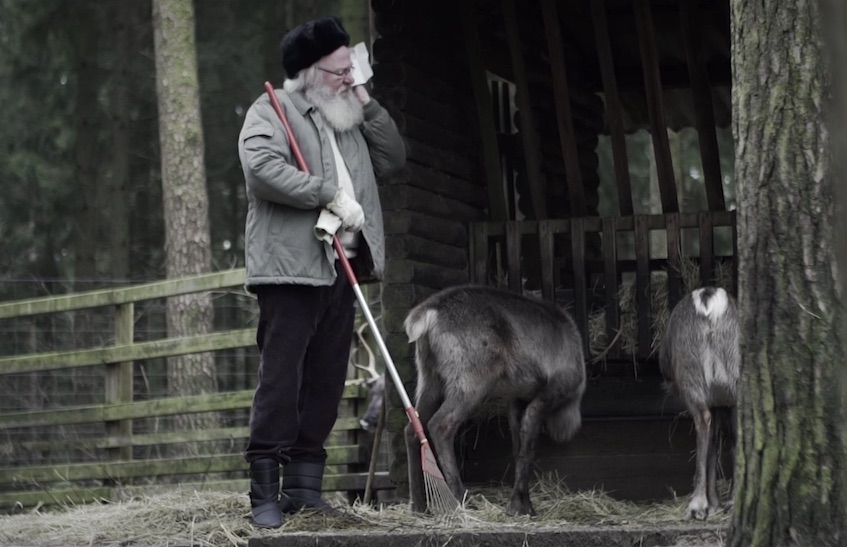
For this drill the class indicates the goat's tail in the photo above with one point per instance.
(419, 322)
(563, 424)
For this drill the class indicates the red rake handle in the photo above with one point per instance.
(301, 162)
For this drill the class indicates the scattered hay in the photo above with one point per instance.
(222, 519)
(659, 306)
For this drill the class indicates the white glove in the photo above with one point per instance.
(327, 225)
(348, 210)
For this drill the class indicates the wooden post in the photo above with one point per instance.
(655, 106)
(562, 99)
(529, 137)
(118, 383)
(485, 116)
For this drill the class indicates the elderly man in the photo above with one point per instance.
(306, 303)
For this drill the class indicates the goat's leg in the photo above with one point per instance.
(529, 428)
(731, 441)
(428, 402)
(698, 508)
(516, 410)
(712, 461)
(442, 430)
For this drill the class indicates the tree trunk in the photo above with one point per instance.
(187, 241)
(790, 468)
(125, 20)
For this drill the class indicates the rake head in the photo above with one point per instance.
(439, 498)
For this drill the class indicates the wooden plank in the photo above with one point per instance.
(580, 285)
(642, 286)
(479, 252)
(529, 137)
(74, 496)
(113, 297)
(614, 110)
(701, 90)
(141, 409)
(513, 257)
(118, 381)
(707, 253)
(214, 463)
(548, 277)
(655, 107)
(403, 197)
(508, 158)
(610, 267)
(425, 250)
(439, 230)
(128, 352)
(674, 239)
(561, 98)
(484, 115)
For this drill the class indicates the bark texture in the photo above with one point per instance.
(790, 468)
(187, 240)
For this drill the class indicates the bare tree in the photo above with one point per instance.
(791, 469)
(186, 203)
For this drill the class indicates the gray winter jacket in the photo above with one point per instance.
(283, 202)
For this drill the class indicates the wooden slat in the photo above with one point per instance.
(702, 93)
(109, 297)
(484, 115)
(529, 137)
(128, 352)
(674, 238)
(642, 286)
(655, 107)
(548, 277)
(580, 286)
(508, 158)
(346, 482)
(215, 463)
(561, 98)
(479, 252)
(513, 254)
(141, 409)
(707, 253)
(610, 267)
(614, 116)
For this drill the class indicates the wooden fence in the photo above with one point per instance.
(587, 264)
(111, 458)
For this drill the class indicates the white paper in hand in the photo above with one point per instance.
(362, 70)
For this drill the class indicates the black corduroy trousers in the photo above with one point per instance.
(304, 337)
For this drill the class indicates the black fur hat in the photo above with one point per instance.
(303, 45)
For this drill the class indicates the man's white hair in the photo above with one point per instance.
(305, 78)
(341, 113)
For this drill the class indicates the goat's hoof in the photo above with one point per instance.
(518, 510)
(698, 509)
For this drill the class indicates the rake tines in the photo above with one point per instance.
(439, 498)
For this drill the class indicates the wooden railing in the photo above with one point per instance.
(111, 466)
(585, 263)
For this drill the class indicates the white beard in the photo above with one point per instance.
(339, 112)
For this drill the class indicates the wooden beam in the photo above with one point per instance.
(485, 115)
(701, 90)
(614, 116)
(529, 137)
(655, 106)
(561, 98)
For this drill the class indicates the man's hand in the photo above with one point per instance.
(362, 94)
(348, 210)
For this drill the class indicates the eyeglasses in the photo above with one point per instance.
(343, 73)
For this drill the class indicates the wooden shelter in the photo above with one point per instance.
(503, 106)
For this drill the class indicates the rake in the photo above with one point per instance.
(439, 497)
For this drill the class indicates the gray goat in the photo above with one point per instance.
(699, 357)
(474, 343)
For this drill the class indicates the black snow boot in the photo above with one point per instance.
(264, 493)
(301, 489)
